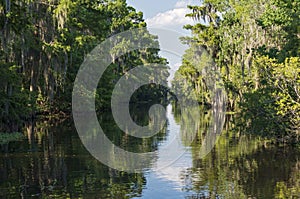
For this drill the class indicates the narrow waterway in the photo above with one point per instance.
(53, 163)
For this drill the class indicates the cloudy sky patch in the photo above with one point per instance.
(174, 17)
(171, 18)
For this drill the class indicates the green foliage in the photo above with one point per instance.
(14, 100)
(256, 47)
(47, 41)
(5, 138)
(275, 106)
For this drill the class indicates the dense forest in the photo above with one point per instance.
(255, 45)
(43, 43)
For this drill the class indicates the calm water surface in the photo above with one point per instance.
(52, 163)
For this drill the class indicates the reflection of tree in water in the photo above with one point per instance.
(127, 142)
(55, 163)
(290, 188)
(241, 166)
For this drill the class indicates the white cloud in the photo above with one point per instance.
(171, 18)
(181, 4)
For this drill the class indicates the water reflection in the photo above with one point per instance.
(60, 166)
(54, 163)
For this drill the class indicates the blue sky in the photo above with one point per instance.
(151, 7)
(167, 14)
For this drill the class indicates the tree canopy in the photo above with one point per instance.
(255, 45)
(43, 43)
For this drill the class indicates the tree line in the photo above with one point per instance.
(255, 47)
(44, 42)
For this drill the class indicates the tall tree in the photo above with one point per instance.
(256, 47)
